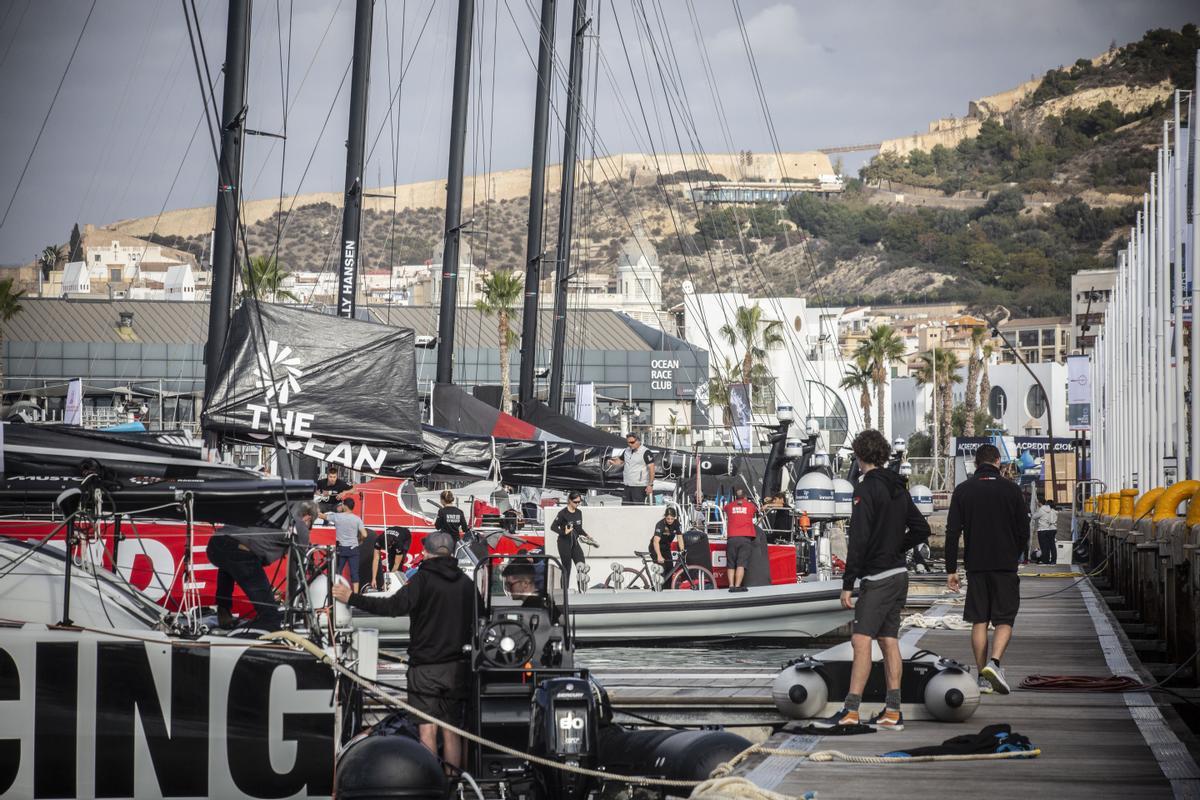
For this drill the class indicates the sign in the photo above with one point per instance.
(662, 377)
(585, 403)
(73, 413)
(1079, 392)
(93, 715)
(739, 408)
(1036, 445)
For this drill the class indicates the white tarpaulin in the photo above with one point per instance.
(73, 412)
(585, 403)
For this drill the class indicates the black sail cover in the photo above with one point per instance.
(338, 390)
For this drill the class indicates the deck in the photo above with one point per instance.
(1093, 745)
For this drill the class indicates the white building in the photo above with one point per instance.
(180, 283)
(1091, 289)
(76, 279)
(805, 370)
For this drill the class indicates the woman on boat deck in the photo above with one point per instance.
(568, 524)
(665, 531)
(450, 518)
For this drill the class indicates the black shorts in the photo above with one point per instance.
(877, 610)
(439, 690)
(992, 597)
(738, 551)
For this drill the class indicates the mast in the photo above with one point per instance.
(537, 195)
(355, 145)
(454, 189)
(229, 180)
(562, 271)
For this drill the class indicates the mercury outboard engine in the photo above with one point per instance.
(932, 687)
(564, 727)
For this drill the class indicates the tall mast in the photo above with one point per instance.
(355, 145)
(537, 194)
(229, 180)
(454, 190)
(567, 204)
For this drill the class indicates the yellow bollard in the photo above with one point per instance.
(1169, 500)
(1193, 512)
(1126, 507)
(1145, 503)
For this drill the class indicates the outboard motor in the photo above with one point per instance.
(564, 727)
(939, 688)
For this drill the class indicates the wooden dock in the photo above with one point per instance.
(1093, 745)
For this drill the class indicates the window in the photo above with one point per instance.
(997, 402)
(1035, 402)
(1047, 337)
(829, 411)
(114, 275)
(762, 395)
(96, 257)
(1027, 338)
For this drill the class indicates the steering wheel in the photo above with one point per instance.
(505, 643)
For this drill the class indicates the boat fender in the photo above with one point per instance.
(801, 691)
(379, 767)
(674, 755)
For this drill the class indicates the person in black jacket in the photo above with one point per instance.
(450, 517)
(884, 525)
(568, 524)
(440, 601)
(988, 511)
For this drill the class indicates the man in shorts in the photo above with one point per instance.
(440, 601)
(884, 525)
(740, 534)
(988, 511)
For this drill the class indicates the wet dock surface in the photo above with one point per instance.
(1093, 745)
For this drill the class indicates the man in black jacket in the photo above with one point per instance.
(439, 602)
(884, 525)
(988, 511)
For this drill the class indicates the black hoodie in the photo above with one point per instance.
(990, 513)
(439, 602)
(884, 525)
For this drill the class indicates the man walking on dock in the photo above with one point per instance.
(988, 511)
(884, 525)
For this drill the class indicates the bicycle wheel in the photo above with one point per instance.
(633, 579)
(694, 578)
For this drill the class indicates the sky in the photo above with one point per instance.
(126, 135)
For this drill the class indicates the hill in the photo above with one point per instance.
(1000, 206)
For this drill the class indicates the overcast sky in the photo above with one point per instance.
(125, 137)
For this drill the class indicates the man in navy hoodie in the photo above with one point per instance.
(884, 525)
(439, 601)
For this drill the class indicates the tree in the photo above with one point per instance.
(749, 333)
(10, 306)
(51, 256)
(882, 348)
(501, 291)
(920, 445)
(718, 390)
(262, 279)
(858, 377)
(980, 420)
(985, 385)
(718, 224)
(75, 245)
(939, 368)
(979, 335)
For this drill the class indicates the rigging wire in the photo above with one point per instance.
(49, 111)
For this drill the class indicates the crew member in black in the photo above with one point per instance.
(391, 548)
(665, 531)
(329, 490)
(440, 602)
(241, 556)
(884, 525)
(988, 511)
(450, 518)
(568, 524)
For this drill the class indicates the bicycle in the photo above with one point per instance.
(682, 576)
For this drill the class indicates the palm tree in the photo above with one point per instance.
(859, 377)
(262, 279)
(501, 291)
(749, 333)
(985, 385)
(940, 364)
(51, 256)
(979, 335)
(882, 348)
(10, 306)
(718, 390)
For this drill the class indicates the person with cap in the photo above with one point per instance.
(440, 602)
(739, 538)
(989, 513)
(330, 490)
(568, 524)
(884, 525)
(638, 475)
(241, 556)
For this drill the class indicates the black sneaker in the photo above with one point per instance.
(739, 588)
(843, 717)
(888, 720)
